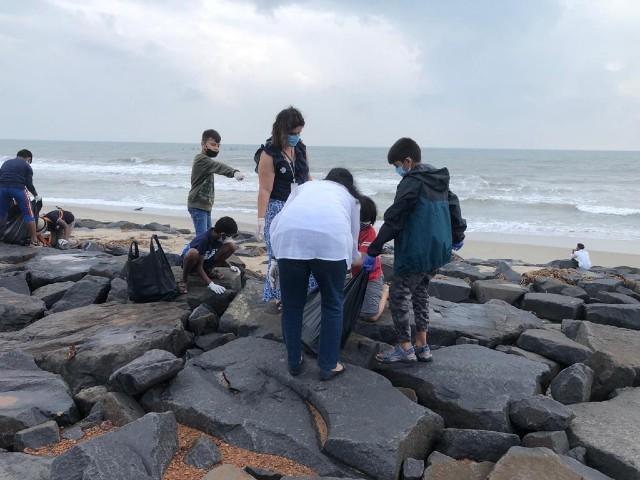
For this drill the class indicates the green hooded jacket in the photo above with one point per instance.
(202, 190)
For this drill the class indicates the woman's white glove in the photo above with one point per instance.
(260, 229)
(217, 289)
(234, 269)
(238, 176)
(273, 274)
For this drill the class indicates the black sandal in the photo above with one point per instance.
(324, 375)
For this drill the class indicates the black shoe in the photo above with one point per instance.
(328, 375)
(294, 372)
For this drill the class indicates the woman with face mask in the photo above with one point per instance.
(282, 166)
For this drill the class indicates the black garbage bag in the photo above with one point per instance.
(15, 229)
(354, 292)
(149, 277)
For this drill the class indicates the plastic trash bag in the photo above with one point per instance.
(15, 230)
(354, 292)
(149, 277)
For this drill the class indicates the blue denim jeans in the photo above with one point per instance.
(201, 220)
(294, 280)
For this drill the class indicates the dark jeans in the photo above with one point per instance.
(294, 280)
(201, 220)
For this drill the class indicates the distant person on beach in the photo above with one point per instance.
(59, 223)
(201, 195)
(16, 181)
(377, 293)
(426, 223)
(208, 250)
(317, 233)
(580, 257)
(282, 165)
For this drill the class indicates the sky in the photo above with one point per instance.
(467, 74)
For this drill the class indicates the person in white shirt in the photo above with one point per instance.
(316, 233)
(581, 257)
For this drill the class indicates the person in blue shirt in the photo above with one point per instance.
(208, 250)
(16, 180)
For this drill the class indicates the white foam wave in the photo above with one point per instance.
(604, 210)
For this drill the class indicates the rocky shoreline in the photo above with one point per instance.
(536, 374)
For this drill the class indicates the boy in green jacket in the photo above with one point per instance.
(426, 223)
(202, 191)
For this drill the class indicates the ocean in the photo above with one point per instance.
(585, 194)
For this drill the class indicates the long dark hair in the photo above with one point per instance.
(286, 121)
(343, 177)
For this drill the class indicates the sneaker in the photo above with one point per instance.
(398, 354)
(423, 353)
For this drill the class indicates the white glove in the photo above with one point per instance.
(238, 176)
(260, 229)
(273, 274)
(217, 289)
(37, 198)
(234, 269)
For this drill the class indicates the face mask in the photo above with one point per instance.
(401, 171)
(210, 153)
(293, 140)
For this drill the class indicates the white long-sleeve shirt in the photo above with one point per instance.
(320, 220)
(583, 259)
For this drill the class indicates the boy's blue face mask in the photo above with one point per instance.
(401, 171)
(293, 140)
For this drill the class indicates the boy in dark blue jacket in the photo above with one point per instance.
(16, 178)
(426, 223)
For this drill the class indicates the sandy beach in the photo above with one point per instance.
(528, 248)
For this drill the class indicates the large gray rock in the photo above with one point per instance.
(16, 282)
(479, 445)
(554, 345)
(449, 289)
(251, 401)
(553, 306)
(90, 289)
(140, 450)
(573, 384)
(624, 316)
(536, 463)
(85, 345)
(118, 291)
(491, 323)
(17, 310)
(202, 320)
(465, 270)
(19, 466)
(413, 469)
(199, 293)
(458, 470)
(203, 453)
(593, 286)
(52, 292)
(63, 267)
(609, 431)
(247, 315)
(118, 408)
(551, 285)
(554, 367)
(539, 413)
(13, 254)
(616, 298)
(38, 436)
(383, 330)
(485, 290)
(469, 385)
(88, 397)
(615, 361)
(556, 441)
(137, 376)
(30, 396)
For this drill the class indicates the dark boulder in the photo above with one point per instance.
(449, 289)
(16, 282)
(554, 345)
(478, 445)
(203, 453)
(539, 413)
(485, 290)
(553, 306)
(469, 385)
(554, 367)
(616, 298)
(556, 441)
(90, 289)
(464, 270)
(573, 384)
(624, 316)
(118, 292)
(137, 376)
(594, 286)
(202, 320)
(17, 310)
(20, 466)
(53, 292)
(37, 436)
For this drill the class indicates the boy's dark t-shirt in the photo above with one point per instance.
(206, 246)
(53, 217)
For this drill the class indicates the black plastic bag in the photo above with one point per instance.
(149, 277)
(354, 292)
(15, 230)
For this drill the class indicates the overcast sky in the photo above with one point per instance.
(502, 73)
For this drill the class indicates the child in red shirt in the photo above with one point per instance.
(377, 292)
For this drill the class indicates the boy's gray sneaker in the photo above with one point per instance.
(398, 354)
(423, 353)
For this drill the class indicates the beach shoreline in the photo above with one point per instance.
(484, 245)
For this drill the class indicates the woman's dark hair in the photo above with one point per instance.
(286, 121)
(368, 210)
(344, 178)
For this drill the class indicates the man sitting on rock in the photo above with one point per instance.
(209, 250)
(580, 257)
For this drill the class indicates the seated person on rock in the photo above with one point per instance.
(60, 225)
(580, 257)
(377, 293)
(209, 250)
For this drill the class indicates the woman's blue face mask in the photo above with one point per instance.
(293, 140)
